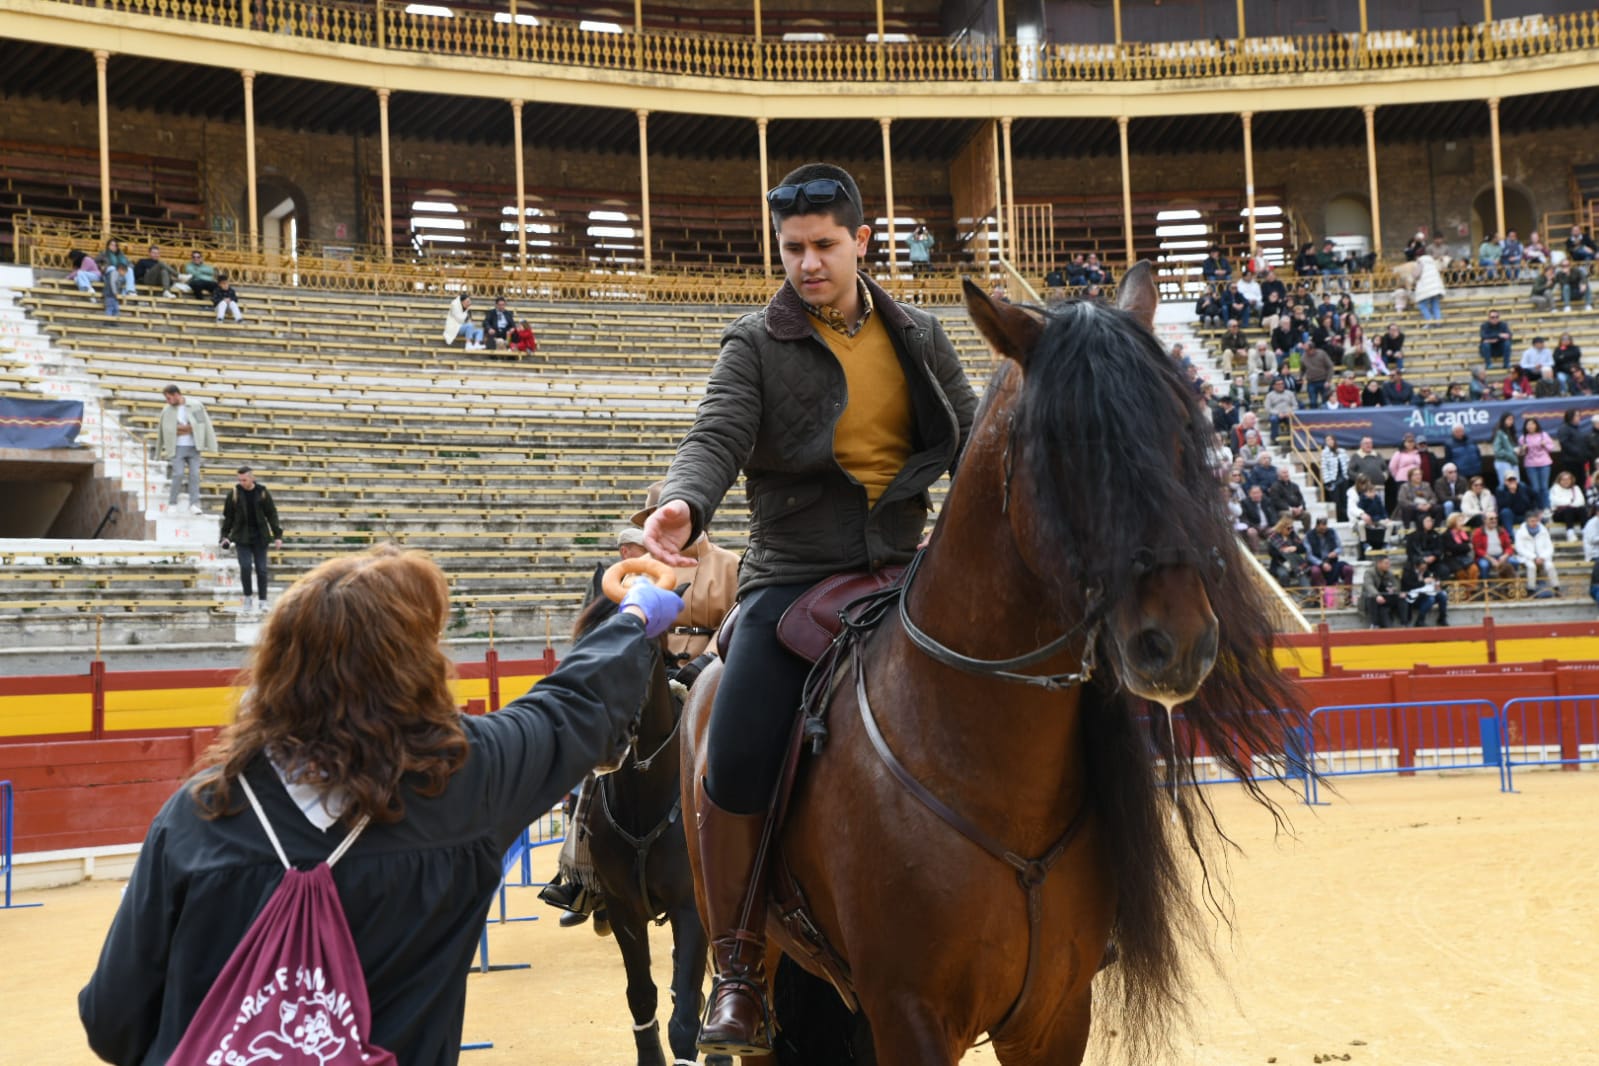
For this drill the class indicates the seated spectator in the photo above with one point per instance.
(1449, 488)
(1515, 501)
(1235, 307)
(1416, 499)
(1261, 472)
(1477, 502)
(1391, 346)
(1095, 272)
(1547, 288)
(1536, 357)
(85, 272)
(1371, 394)
(1250, 290)
(1258, 517)
(225, 298)
(1380, 598)
(1348, 391)
(1398, 392)
(1287, 498)
(1330, 264)
(1494, 338)
(1580, 247)
(1216, 266)
(1208, 309)
(1415, 246)
(155, 272)
(1327, 335)
(1288, 563)
(1305, 261)
(1515, 386)
(1580, 384)
(1324, 552)
(1488, 253)
(1233, 344)
(1247, 421)
(458, 323)
(118, 270)
(201, 278)
(522, 339)
(1077, 271)
(1492, 548)
(1272, 310)
(1568, 505)
(1424, 551)
(1459, 559)
(1511, 255)
(1574, 286)
(1547, 386)
(1252, 449)
(1590, 537)
(1536, 252)
(1370, 515)
(497, 325)
(1478, 388)
(1568, 357)
(1536, 550)
(1280, 404)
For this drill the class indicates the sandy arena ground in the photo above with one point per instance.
(1410, 923)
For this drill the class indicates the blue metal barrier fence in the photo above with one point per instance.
(7, 839)
(1549, 731)
(1353, 740)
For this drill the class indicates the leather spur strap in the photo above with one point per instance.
(1030, 873)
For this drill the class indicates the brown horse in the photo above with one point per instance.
(974, 836)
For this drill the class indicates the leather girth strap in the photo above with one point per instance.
(1030, 873)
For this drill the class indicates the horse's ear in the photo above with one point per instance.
(1012, 331)
(1136, 294)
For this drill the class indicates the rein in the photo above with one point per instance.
(1004, 669)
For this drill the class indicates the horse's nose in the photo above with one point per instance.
(1156, 651)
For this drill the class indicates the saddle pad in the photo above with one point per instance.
(812, 621)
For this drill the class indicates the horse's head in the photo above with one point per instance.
(1107, 483)
(657, 701)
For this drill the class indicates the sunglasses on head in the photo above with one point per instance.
(816, 191)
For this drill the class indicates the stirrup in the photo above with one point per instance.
(762, 1040)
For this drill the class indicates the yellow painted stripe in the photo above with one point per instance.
(1566, 650)
(22, 716)
(169, 708)
(1405, 656)
(1308, 660)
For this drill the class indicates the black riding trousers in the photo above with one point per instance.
(756, 702)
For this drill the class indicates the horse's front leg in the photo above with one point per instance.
(1055, 1038)
(688, 981)
(907, 1031)
(632, 930)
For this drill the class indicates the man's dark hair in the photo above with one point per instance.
(171, 390)
(846, 210)
(244, 470)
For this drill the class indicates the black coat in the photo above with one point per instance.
(498, 322)
(415, 893)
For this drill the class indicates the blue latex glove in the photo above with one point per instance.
(660, 606)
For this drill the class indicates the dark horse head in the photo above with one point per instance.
(1110, 495)
(658, 714)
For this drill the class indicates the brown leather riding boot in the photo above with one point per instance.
(737, 1019)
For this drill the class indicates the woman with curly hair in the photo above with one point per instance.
(347, 717)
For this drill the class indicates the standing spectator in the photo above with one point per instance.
(1317, 367)
(1576, 445)
(1477, 503)
(201, 278)
(1415, 246)
(1335, 478)
(225, 298)
(1392, 347)
(1514, 501)
(1537, 457)
(183, 437)
(1280, 405)
(1463, 453)
(1493, 550)
(1536, 550)
(1568, 505)
(497, 325)
(119, 275)
(458, 323)
(1488, 253)
(1506, 459)
(1494, 340)
(1429, 289)
(1546, 289)
(1368, 464)
(349, 720)
(156, 272)
(1511, 255)
(1379, 594)
(1398, 392)
(1580, 247)
(920, 244)
(249, 520)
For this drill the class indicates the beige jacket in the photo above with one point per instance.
(205, 438)
(712, 588)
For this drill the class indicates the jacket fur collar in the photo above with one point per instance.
(787, 319)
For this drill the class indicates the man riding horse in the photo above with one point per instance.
(712, 584)
(842, 406)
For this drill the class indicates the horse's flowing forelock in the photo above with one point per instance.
(1117, 442)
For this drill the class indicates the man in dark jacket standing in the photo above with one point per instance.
(249, 520)
(842, 407)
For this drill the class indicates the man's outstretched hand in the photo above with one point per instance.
(666, 533)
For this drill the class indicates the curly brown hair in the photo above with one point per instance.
(348, 685)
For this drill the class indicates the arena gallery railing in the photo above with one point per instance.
(510, 34)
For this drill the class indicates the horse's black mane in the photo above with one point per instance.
(1115, 434)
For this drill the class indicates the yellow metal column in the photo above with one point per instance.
(765, 217)
(1004, 71)
(1249, 176)
(1127, 189)
(101, 58)
(888, 194)
(1116, 14)
(638, 33)
(388, 193)
(521, 186)
(882, 63)
(1010, 192)
(1371, 176)
(249, 158)
(1240, 19)
(760, 50)
(644, 186)
(1499, 169)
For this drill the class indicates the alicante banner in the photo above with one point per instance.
(1387, 426)
(39, 424)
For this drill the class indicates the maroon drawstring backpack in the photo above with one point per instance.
(292, 992)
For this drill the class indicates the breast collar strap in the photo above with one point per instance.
(1005, 669)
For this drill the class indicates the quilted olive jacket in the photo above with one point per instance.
(769, 410)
